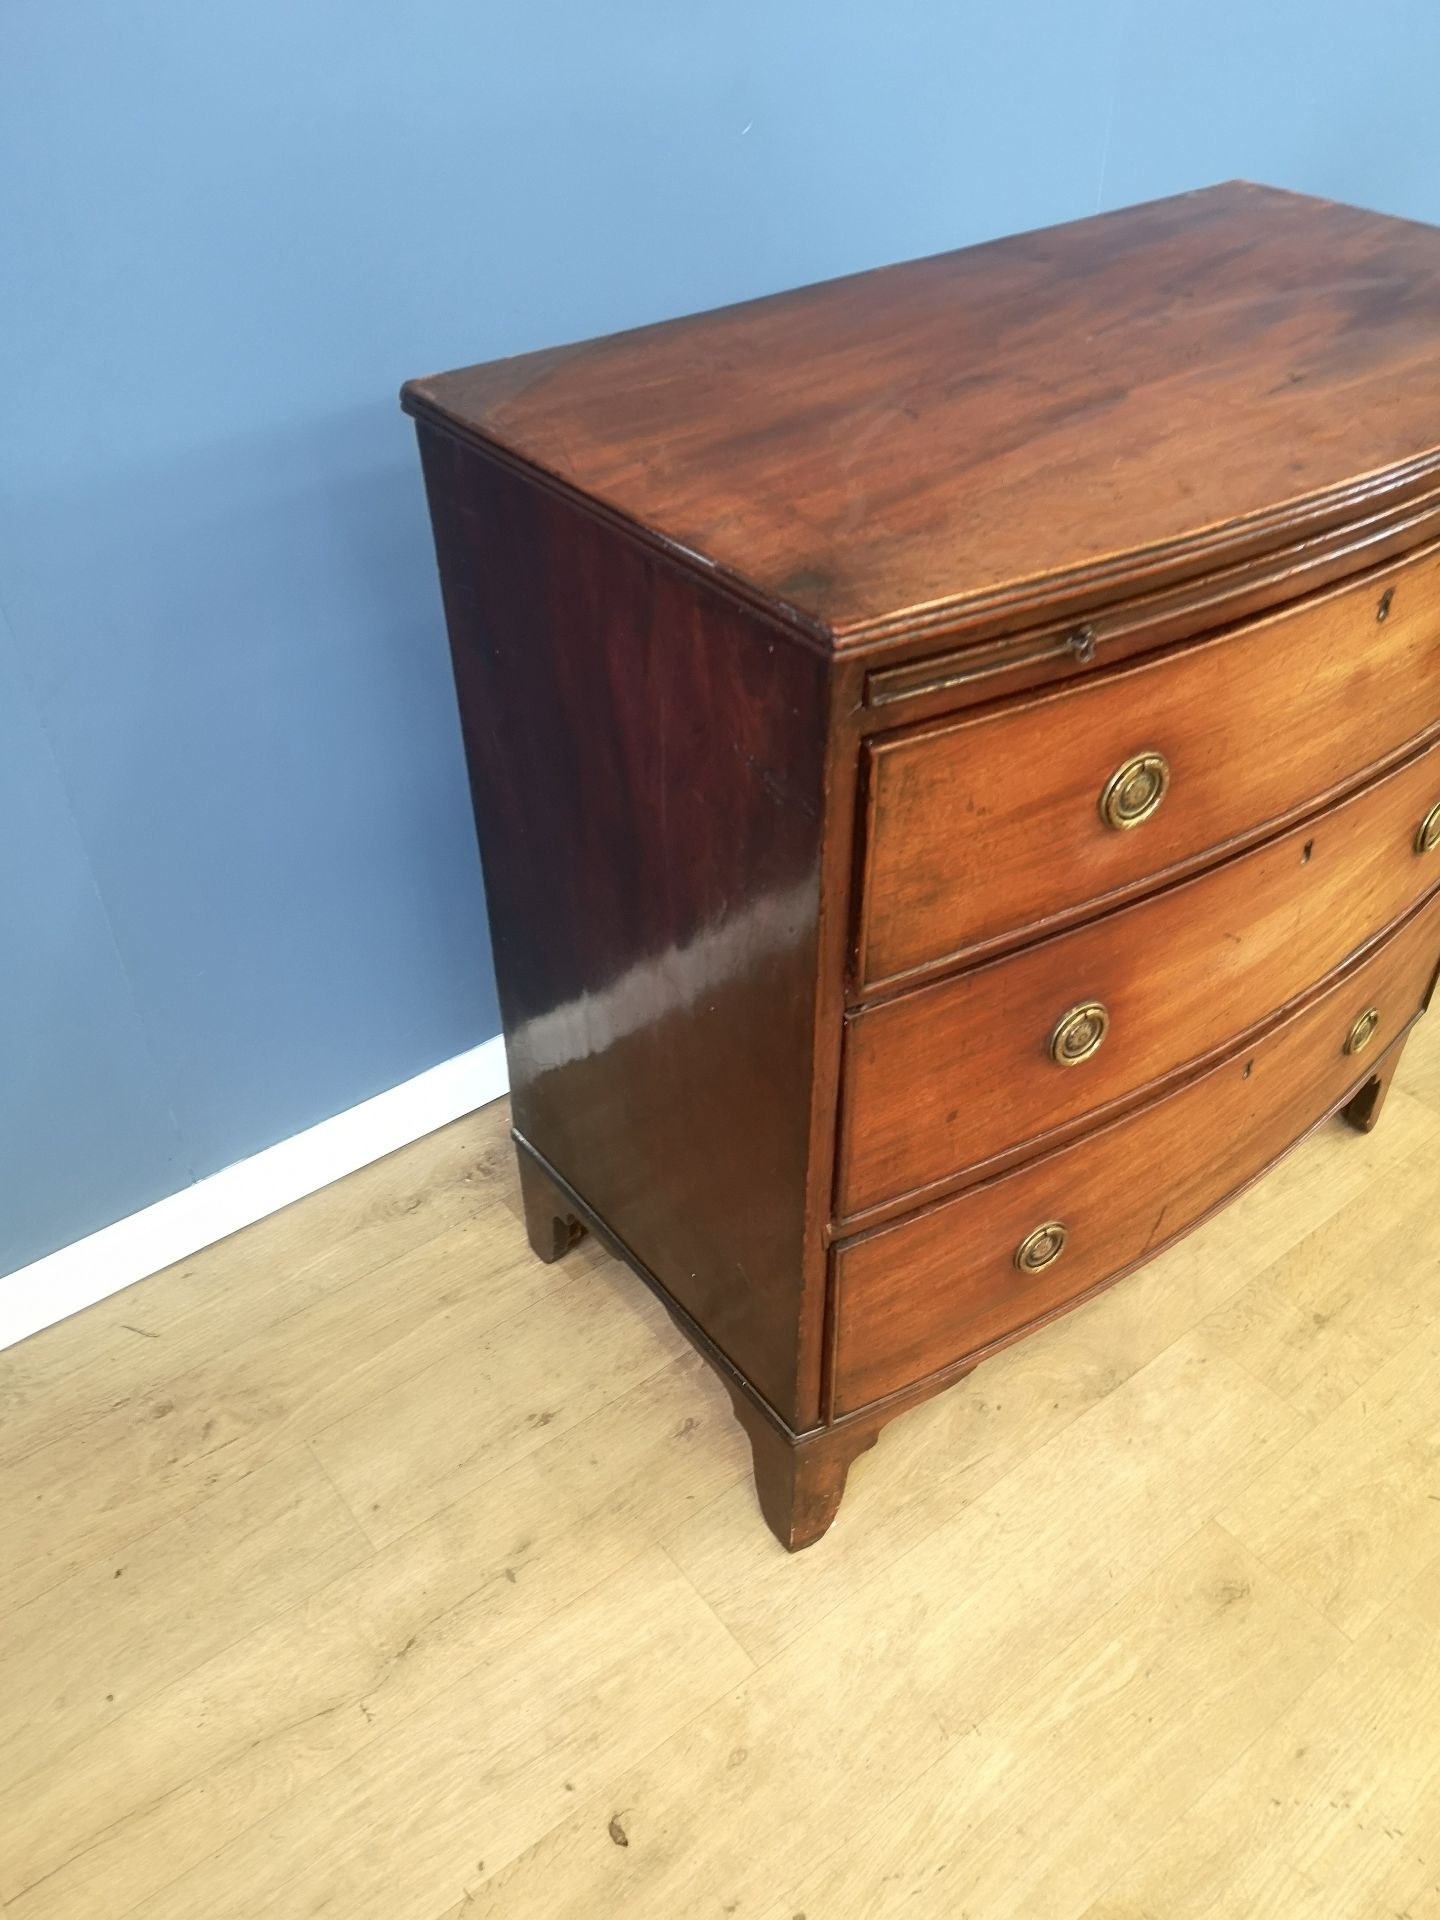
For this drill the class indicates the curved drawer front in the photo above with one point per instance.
(952, 1075)
(992, 826)
(915, 1298)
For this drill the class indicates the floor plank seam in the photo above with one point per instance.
(1302, 1599)
(375, 1545)
(996, 1707)
(1318, 1422)
(193, 1317)
(146, 1694)
(1312, 1420)
(986, 1493)
(541, 1435)
(723, 1624)
(1233, 1765)
(366, 1745)
(673, 1731)
(129, 1543)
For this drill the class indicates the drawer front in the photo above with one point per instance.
(993, 826)
(951, 1075)
(915, 1298)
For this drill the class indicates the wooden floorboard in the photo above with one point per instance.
(363, 1565)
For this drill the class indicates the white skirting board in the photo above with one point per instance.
(172, 1229)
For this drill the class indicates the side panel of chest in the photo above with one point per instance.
(647, 767)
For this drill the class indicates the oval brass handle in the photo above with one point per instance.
(1363, 1031)
(1079, 1034)
(1042, 1248)
(1427, 839)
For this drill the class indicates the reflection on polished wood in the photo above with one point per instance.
(340, 1577)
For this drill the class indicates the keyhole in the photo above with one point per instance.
(1306, 852)
(1382, 611)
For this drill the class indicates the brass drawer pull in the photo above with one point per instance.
(1427, 840)
(1363, 1031)
(1134, 791)
(1079, 1034)
(1041, 1248)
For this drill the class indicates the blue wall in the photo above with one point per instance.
(238, 886)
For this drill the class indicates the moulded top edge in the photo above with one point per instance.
(1006, 429)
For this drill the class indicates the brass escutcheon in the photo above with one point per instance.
(1134, 791)
(1042, 1247)
(1363, 1031)
(1427, 839)
(1079, 1034)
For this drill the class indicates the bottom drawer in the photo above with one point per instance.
(919, 1296)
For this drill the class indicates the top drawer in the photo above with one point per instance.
(1000, 825)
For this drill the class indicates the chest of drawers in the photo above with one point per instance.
(956, 754)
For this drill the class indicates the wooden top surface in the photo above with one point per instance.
(1162, 387)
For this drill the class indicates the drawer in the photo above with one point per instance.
(951, 1075)
(994, 826)
(915, 1298)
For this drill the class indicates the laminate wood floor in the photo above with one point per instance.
(362, 1566)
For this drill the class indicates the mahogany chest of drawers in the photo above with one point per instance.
(956, 753)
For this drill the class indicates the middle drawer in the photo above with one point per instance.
(951, 1077)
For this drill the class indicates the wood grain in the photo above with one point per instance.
(1041, 1609)
(915, 1656)
(1185, 458)
(1126, 1688)
(948, 1450)
(647, 763)
(942, 1285)
(458, 1787)
(948, 1077)
(412, 1450)
(1350, 1548)
(1245, 752)
(228, 1564)
(87, 1366)
(1320, 1320)
(193, 1763)
(1332, 1811)
(168, 1438)
(907, 442)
